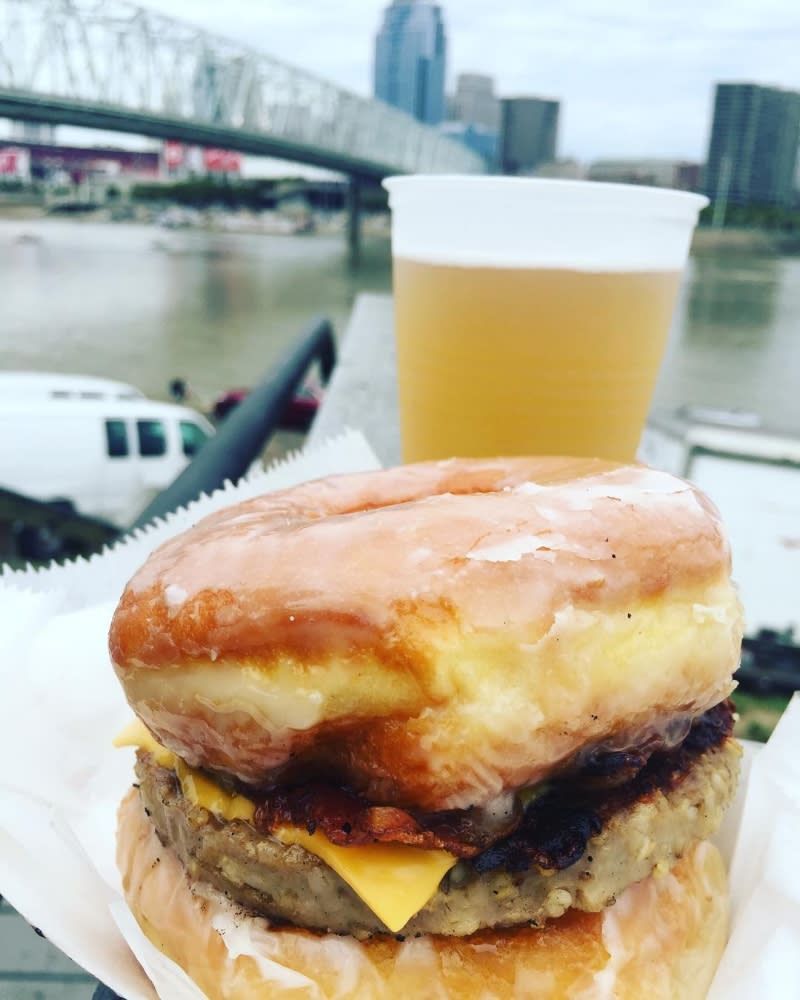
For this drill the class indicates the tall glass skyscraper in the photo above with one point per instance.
(410, 51)
(528, 133)
(753, 149)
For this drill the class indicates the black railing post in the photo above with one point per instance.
(354, 221)
(104, 993)
(243, 434)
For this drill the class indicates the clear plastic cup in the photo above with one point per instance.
(532, 315)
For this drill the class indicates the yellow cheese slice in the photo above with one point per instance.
(207, 793)
(136, 734)
(395, 881)
(198, 789)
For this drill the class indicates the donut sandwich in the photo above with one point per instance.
(457, 729)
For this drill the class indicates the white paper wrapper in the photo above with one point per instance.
(763, 953)
(60, 782)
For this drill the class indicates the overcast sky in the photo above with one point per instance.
(635, 77)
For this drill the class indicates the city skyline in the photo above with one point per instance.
(632, 82)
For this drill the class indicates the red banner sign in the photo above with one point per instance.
(174, 154)
(222, 161)
(9, 161)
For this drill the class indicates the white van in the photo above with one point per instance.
(99, 444)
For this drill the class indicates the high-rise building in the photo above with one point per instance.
(528, 132)
(410, 51)
(752, 152)
(473, 114)
(474, 102)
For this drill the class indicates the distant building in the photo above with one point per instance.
(410, 52)
(528, 132)
(33, 132)
(50, 163)
(565, 170)
(474, 116)
(752, 152)
(474, 102)
(688, 176)
(480, 140)
(680, 174)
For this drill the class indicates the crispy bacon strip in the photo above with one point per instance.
(347, 819)
(552, 832)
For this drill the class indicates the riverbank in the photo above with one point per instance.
(268, 222)
(745, 240)
(277, 223)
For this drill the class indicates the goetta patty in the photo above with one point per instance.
(597, 841)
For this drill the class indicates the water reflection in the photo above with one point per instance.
(145, 305)
(733, 294)
(734, 342)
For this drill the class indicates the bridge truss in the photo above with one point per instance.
(112, 65)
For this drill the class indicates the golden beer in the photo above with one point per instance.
(518, 360)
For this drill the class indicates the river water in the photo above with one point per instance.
(144, 305)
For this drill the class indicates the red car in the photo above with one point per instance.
(298, 415)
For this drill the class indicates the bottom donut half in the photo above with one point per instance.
(662, 939)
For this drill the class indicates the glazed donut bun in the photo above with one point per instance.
(452, 730)
(661, 941)
(434, 636)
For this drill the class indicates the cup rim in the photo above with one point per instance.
(583, 194)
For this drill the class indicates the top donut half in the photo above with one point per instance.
(434, 635)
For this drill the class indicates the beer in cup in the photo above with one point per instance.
(532, 315)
